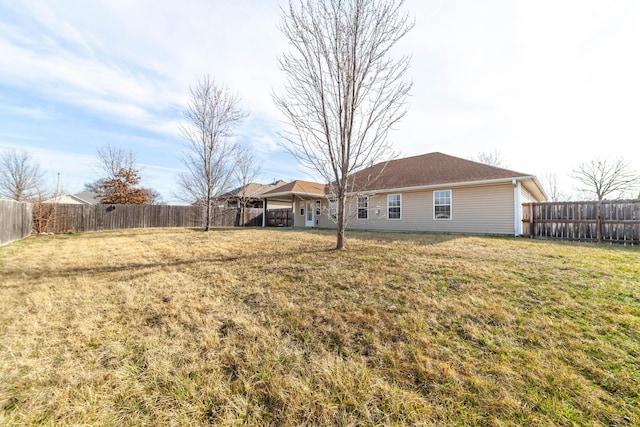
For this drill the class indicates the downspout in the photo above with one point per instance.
(517, 207)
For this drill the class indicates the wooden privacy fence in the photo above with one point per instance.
(279, 218)
(15, 221)
(615, 221)
(82, 218)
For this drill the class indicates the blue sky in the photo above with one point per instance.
(548, 84)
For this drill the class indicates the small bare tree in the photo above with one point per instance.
(550, 182)
(343, 92)
(20, 175)
(210, 155)
(491, 158)
(603, 177)
(247, 170)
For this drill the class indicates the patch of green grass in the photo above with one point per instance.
(272, 327)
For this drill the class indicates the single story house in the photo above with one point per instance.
(433, 192)
(83, 198)
(250, 193)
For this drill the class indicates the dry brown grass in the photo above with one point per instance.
(271, 327)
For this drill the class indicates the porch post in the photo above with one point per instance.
(293, 211)
(264, 212)
(517, 208)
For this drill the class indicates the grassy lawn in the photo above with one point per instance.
(272, 327)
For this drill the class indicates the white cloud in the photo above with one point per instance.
(548, 84)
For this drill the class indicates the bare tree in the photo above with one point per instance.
(491, 158)
(550, 182)
(603, 177)
(121, 178)
(246, 171)
(112, 160)
(45, 206)
(343, 92)
(210, 155)
(20, 175)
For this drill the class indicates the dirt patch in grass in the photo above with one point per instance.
(272, 327)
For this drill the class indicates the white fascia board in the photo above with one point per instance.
(293, 193)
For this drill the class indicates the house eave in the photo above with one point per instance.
(292, 193)
(448, 185)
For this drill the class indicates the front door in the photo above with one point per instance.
(308, 220)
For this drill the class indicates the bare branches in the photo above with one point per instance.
(120, 183)
(20, 176)
(603, 177)
(210, 154)
(491, 158)
(343, 93)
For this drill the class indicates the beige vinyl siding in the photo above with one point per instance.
(485, 209)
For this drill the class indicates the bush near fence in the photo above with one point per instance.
(82, 218)
(15, 221)
(612, 221)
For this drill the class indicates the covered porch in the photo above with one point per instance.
(301, 199)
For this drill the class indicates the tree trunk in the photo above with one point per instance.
(599, 226)
(342, 220)
(207, 224)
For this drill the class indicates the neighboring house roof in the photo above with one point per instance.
(83, 198)
(89, 197)
(253, 189)
(298, 187)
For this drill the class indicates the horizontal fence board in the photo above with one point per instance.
(611, 221)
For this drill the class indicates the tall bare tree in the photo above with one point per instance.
(344, 92)
(20, 175)
(210, 153)
(246, 171)
(604, 177)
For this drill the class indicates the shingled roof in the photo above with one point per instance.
(427, 170)
(297, 187)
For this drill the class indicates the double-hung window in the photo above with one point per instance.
(442, 204)
(363, 207)
(394, 206)
(333, 209)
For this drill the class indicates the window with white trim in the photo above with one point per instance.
(333, 209)
(318, 207)
(394, 206)
(442, 204)
(363, 207)
(301, 204)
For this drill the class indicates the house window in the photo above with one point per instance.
(363, 208)
(333, 209)
(301, 204)
(394, 206)
(318, 206)
(442, 204)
